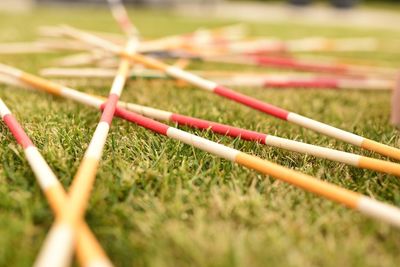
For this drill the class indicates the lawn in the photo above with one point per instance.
(158, 202)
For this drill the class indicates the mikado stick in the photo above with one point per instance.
(280, 81)
(248, 79)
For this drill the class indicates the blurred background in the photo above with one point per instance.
(368, 13)
(336, 3)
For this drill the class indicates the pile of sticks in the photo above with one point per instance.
(111, 56)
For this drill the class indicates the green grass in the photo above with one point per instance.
(158, 202)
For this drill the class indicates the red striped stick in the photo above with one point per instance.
(290, 63)
(43, 46)
(325, 44)
(322, 152)
(280, 81)
(387, 213)
(99, 73)
(262, 45)
(305, 65)
(64, 229)
(56, 32)
(81, 59)
(307, 83)
(236, 79)
(89, 250)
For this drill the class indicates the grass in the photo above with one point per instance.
(158, 202)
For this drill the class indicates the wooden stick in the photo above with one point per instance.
(271, 45)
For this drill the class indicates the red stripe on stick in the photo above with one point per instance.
(252, 102)
(109, 108)
(17, 131)
(219, 128)
(125, 23)
(153, 125)
(328, 83)
(294, 64)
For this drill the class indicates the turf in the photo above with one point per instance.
(158, 202)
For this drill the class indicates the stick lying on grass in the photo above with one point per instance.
(304, 65)
(81, 59)
(317, 151)
(308, 82)
(222, 91)
(24, 48)
(89, 250)
(42, 46)
(252, 79)
(271, 45)
(54, 32)
(326, 44)
(364, 204)
(100, 73)
(57, 248)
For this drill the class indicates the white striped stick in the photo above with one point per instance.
(230, 79)
(23, 48)
(263, 45)
(103, 73)
(81, 59)
(281, 81)
(370, 207)
(222, 91)
(89, 250)
(325, 44)
(57, 248)
(55, 32)
(42, 46)
(305, 65)
(267, 139)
